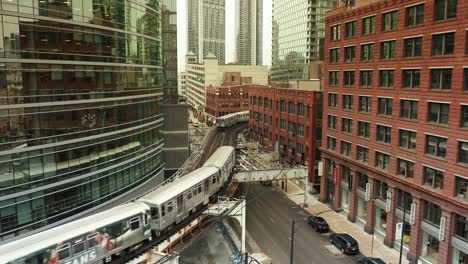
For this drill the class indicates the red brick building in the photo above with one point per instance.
(289, 121)
(396, 116)
(223, 100)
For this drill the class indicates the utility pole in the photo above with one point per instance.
(403, 226)
(291, 255)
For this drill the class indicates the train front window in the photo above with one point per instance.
(63, 252)
(154, 213)
(78, 247)
(135, 223)
(92, 240)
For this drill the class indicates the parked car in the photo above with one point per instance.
(345, 242)
(318, 223)
(367, 260)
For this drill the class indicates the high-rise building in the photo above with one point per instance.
(206, 28)
(298, 33)
(81, 85)
(249, 26)
(395, 123)
(169, 50)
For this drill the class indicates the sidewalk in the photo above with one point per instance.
(340, 224)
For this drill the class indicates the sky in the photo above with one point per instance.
(230, 35)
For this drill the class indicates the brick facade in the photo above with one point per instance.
(396, 53)
(223, 100)
(287, 120)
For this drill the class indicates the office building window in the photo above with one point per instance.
(441, 79)
(465, 76)
(363, 129)
(291, 108)
(348, 77)
(346, 125)
(283, 106)
(443, 44)
(334, 55)
(300, 130)
(335, 33)
(415, 15)
(347, 102)
(386, 78)
(368, 25)
(413, 47)
(365, 104)
(387, 49)
(385, 106)
(432, 213)
(461, 189)
(384, 134)
(362, 154)
(365, 78)
(283, 124)
(464, 116)
(463, 152)
(300, 109)
(350, 29)
(381, 189)
(350, 53)
(445, 9)
(461, 228)
(331, 143)
(332, 100)
(407, 139)
(438, 113)
(333, 78)
(405, 168)
(292, 128)
(411, 78)
(362, 180)
(382, 160)
(390, 21)
(332, 122)
(409, 109)
(345, 148)
(367, 52)
(436, 146)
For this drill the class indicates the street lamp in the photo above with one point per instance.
(294, 230)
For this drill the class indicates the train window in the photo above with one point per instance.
(199, 188)
(214, 179)
(78, 246)
(63, 251)
(145, 219)
(135, 223)
(170, 206)
(163, 210)
(92, 242)
(154, 213)
(194, 192)
(189, 195)
(217, 177)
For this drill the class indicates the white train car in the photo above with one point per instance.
(174, 202)
(223, 159)
(88, 240)
(229, 120)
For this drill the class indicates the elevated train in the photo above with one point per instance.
(229, 120)
(99, 237)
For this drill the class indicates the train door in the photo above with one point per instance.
(180, 208)
(207, 191)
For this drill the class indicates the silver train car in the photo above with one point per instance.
(229, 120)
(224, 160)
(83, 241)
(174, 202)
(98, 237)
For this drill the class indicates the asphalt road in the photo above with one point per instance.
(269, 216)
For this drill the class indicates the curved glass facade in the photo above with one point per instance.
(80, 89)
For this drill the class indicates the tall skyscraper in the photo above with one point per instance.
(249, 26)
(298, 30)
(80, 123)
(206, 27)
(169, 50)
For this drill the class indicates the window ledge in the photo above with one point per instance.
(384, 143)
(440, 90)
(414, 26)
(434, 157)
(365, 113)
(365, 138)
(385, 116)
(437, 124)
(412, 58)
(368, 87)
(443, 56)
(462, 164)
(409, 120)
(387, 87)
(407, 149)
(444, 20)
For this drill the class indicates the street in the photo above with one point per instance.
(269, 216)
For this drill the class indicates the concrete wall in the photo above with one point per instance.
(176, 138)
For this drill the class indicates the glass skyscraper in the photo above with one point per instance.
(80, 90)
(298, 31)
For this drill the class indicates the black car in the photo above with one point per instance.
(345, 242)
(318, 223)
(367, 260)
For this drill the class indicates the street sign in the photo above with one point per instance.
(398, 231)
(368, 191)
(412, 216)
(442, 228)
(388, 202)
